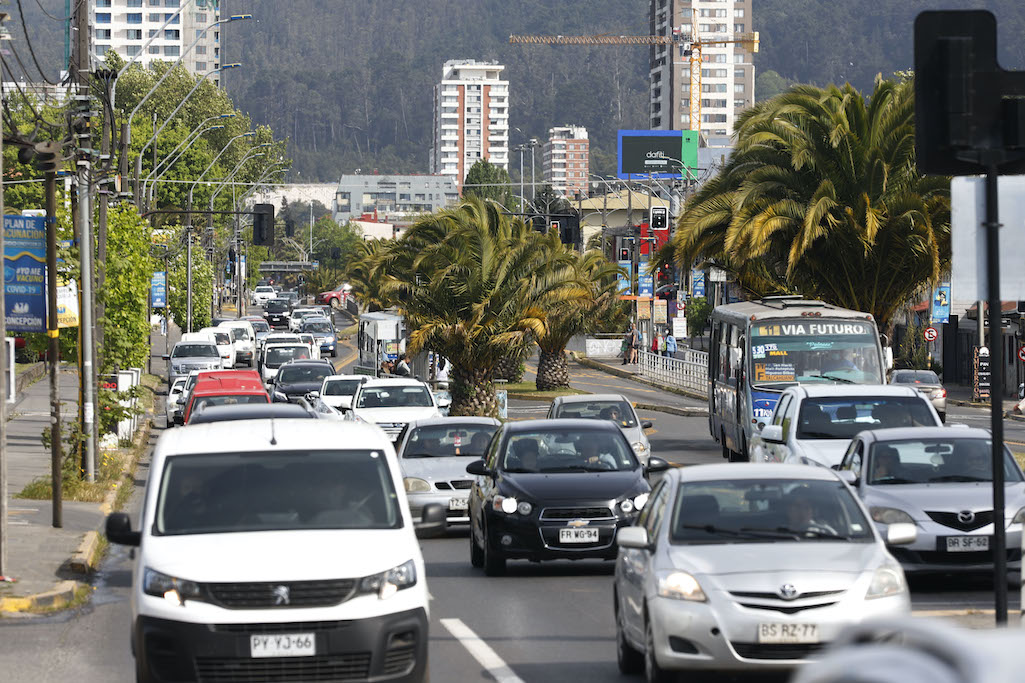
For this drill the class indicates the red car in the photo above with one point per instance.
(336, 297)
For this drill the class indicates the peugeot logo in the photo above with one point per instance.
(966, 516)
(788, 591)
(281, 596)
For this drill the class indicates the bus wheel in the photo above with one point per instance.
(742, 456)
(726, 452)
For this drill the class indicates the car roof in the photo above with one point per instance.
(753, 471)
(392, 382)
(334, 377)
(269, 435)
(906, 433)
(588, 398)
(249, 411)
(840, 391)
(236, 385)
(561, 424)
(229, 374)
(467, 420)
(307, 361)
(194, 342)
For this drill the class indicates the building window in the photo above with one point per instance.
(134, 34)
(101, 50)
(201, 49)
(134, 3)
(103, 17)
(131, 50)
(153, 32)
(154, 49)
(713, 118)
(200, 66)
(738, 28)
(172, 3)
(171, 51)
(154, 17)
(737, 73)
(738, 13)
(739, 104)
(175, 18)
(201, 17)
(103, 3)
(170, 34)
(133, 18)
(103, 34)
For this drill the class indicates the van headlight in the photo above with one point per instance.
(1019, 517)
(888, 580)
(414, 485)
(388, 583)
(680, 586)
(174, 590)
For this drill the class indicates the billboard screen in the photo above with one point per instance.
(657, 152)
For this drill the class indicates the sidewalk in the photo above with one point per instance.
(47, 563)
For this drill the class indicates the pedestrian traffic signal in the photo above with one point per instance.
(624, 254)
(263, 224)
(47, 156)
(659, 218)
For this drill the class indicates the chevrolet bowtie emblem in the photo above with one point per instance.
(578, 522)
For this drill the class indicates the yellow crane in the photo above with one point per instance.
(692, 48)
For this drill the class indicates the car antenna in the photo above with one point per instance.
(273, 439)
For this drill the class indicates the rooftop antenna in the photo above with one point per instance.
(273, 439)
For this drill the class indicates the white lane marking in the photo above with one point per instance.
(481, 651)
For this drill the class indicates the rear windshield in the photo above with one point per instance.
(270, 491)
(265, 290)
(341, 387)
(276, 306)
(842, 418)
(615, 411)
(915, 377)
(239, 334)
(282, 354)
(223, 338)
(260, 325)
(431, 441)
(304, 374)
(203, 401)
(318, 327)
(195, 351)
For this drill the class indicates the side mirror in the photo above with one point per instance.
(888, 357)
(901, 534)
(656, 465)
(647, 424)
(849, 477)
(433, 520)
(119, 530)
(772, 434)
(166, 356)
(444, 402)
(478, 468)
(312, 396)
(761, 426)
(634, 537)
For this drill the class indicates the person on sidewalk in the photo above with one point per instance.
(635, 342)
(402, 367)
(671, 346)
(661, 342)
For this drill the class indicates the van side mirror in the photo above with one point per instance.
(119, 530)
(772, 434)
(888, 357)
(478, 468)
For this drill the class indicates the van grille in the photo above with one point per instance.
(348, 667)
(269, 594)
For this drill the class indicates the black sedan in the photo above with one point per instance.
(554, 489)
(298, 378)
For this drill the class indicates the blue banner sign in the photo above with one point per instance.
(941, 305)
(25, 273)
(646, 285)
(624, 281)
(697, 282)
(158, 290)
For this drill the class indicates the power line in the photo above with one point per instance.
(43, 10)
(28, 41)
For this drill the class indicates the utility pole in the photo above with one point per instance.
(54, 350)
(3, 378)
(188, 270)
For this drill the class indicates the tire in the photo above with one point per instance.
(334, 353)
(336, 303)
(629, 660)
(742, 456)
(476, 552)
(725, 449)
(653, 673)
(494, 563)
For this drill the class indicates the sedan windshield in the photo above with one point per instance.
(567, 450)
(231, 492)
(319, 328)
(842, 418)
(766, 511)
(432, 441)
(394, 397)
(616, 411)
(260, 325)
(195, 351)
(276, 306)
(304, 374)
(934, 461)
(232, 400)
(282, 354)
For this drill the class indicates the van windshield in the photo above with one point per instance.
(282, 354)
(239, 334)
(195, 351)
(275, 491)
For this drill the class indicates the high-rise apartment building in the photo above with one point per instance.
(566, 160)
(727, 71)
(126, 26)
(471, 118)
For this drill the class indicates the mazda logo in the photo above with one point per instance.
(788, 591)
(966, 516)
(281, 596)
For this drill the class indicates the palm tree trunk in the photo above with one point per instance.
(509, 368)
(552, 371)
(473, 392)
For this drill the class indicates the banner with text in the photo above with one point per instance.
(25, 273)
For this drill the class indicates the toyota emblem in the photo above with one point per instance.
(788, 591)
(281, 596)
(966, 516)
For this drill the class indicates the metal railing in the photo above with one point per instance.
(688, 371)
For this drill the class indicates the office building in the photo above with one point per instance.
(727, 71)
(126, 26)
(566, 160)
(381, 197)
(471, 118)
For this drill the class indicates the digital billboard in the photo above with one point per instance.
(656, 152)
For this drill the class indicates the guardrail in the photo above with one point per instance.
(689, 371)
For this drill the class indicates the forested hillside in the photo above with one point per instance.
(350, 82)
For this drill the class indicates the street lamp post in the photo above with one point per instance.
(176, 153)
(188, 210)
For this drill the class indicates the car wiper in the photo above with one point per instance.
(569, 468)
(817, 435)
(519, 470)
(803, 533)
(958, 477)
(834, 378)
(738, 533)
(892, 480)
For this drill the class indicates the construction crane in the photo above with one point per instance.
(692, 48)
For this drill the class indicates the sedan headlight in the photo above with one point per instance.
(1019, 517)
(414, 485)
(388, 583)
(640, 448)
(680, 586)
(505, 504)
(890, 516)
(174, 590)
(888, 580)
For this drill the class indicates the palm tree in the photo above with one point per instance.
(368, 275)
(821, 198)
(474, 286)
(597, 277)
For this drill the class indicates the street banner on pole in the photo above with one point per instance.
(697, 282)
(660, 314)
(624, 281)
(646, 285)
(158, 290)
(941, 305)
(25, 273)
(67, 303)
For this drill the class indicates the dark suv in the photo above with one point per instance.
(275, 312)
(297, 378)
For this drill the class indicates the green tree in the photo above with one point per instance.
(769, 84)
(368, 275)
(494, 182)
(698, 310)
(202, 287)
(821, 198)
(125, 294)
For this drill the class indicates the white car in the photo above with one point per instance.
(268, 552)
(225, 346)
(311, 342)
(275, 338)
(613, 407)
(244, 337)
(262, 294)
(276, 355)
(337, 390)
(171, 405)
(295, 321)
(393, 403)
(814, 424)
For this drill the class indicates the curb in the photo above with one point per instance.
(673, 410)
(85, 559)
(62, 594)
(625, 374)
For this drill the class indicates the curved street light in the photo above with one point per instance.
(202, 175)
(172, 158)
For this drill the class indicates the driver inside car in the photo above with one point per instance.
(590, 450)
(801, 516)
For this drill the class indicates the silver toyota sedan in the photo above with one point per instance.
(749, 567)
(941, 480)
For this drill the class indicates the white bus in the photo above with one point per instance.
(381, 336)
(759, 348)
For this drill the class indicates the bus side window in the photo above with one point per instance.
(713, 355)
(724, 352)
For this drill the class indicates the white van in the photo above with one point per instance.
(244, 340)
(270, 552)
(225, 346)
(276, 355)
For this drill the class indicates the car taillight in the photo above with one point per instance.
(939, 393)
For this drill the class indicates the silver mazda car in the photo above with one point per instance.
(940, 480)
(749, 567)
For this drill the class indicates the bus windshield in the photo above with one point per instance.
(804, 351)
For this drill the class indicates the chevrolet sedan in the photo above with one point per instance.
(749, 567)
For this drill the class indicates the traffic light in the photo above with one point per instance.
(571, 230)
(553, 226)
(624, 254)
(47, 156)
(289, 226)
(659, 218)
(263, 224)
(336, 252)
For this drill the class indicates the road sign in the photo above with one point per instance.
(1021, 354)
(930, 334)
(968, 237)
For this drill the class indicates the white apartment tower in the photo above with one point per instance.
(125, 26)
(471, 118)
(566, 160)
(727, 71)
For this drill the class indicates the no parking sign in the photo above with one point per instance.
(930, 334)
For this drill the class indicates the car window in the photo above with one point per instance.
(619, 412)
(843, 417)
(276, 306)
(239, 334)
(260, 325)
(195, 351)
(915, 377)
(657, 504)
(447, 440)
(230, 400)
(341, 387)
(276, 355)
(318, 327)
(937, 460)
(777, 416)
(788, 417)
(566, 450)
(646, 510)
(303, 373)
(263, 491)
(767, 511)
(394, 397)
(223, 338)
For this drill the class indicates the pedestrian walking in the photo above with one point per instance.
(661, 342)
(671, 345)
(635, 342)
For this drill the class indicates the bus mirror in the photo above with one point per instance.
(888, 357)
